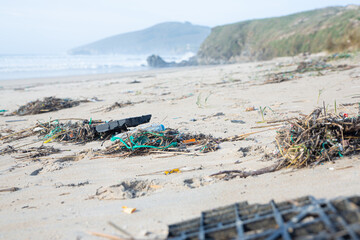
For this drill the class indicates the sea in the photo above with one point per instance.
(26, 66)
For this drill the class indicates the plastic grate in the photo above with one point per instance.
(301, 218)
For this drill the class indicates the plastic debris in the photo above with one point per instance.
(128, 210)
(301, 218)
(122, 124)
(175, 170)
(189, 141)
(250, 109)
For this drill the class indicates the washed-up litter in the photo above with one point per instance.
(318, 137)
(72, 132)
(80, 184)
(16, 120)
(308, 141)
(87, 130)
(36, 172)
(123, 124)
(128, 210)
(12, 136)
(303, 67)
(107, 236)
(2, 111)
(237, 121)
(7, 149)
(302, 218)
(134, 81)
(77, 156)
(337, 56)
(143, 142)
(250, 109)
(78, 132)
(36, 152)
(11, 189)
(118, 105)
(128, 189)
(146, 139)
(312, 66)
(48, 104)
(175, 170)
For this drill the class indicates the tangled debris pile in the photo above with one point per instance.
(143, 142)
(312, 66)
(303, 67)
(318, 137)
(48, 104)
(77, 132)
(308, 141)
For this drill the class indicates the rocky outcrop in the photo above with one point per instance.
(155, 61)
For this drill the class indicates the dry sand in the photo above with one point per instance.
(45, 207)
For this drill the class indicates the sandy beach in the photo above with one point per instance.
(60, 202)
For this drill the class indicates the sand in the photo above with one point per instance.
(205, 99)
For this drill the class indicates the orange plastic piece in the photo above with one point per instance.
(193, 140)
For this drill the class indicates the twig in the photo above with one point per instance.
(121, 230)
(107, 236)
(12, 189)
(244, 174)
(21, 131)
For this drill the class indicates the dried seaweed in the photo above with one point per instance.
(36, 152)
(318, 137)
(76, 132)
(303, 67)
(118, 105)
(48, 104)
(8, 149)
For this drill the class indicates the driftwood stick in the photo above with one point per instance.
(12, 189)
(120, 230)
(21, 131)
(244, 174)
(107, 236)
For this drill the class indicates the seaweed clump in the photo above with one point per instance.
(48, 104)
(318, 137)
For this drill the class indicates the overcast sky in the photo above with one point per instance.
(55, 26)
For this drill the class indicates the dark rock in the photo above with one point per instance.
(155, 61)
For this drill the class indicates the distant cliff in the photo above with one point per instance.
(167, 38)
(328, 29)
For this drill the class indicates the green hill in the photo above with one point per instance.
(163, 38)
(328, 29)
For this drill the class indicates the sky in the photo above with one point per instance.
(55, 26)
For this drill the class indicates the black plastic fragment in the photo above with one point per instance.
(36, 172)
(123, 124)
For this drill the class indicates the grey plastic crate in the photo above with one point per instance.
(301, 218)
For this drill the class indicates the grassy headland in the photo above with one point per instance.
(331, 29)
